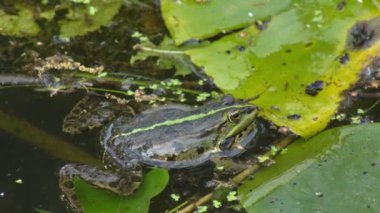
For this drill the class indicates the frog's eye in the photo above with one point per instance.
(234, 116)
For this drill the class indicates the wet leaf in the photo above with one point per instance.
(334, 171)
(169, 56)
(84, 18)
(188, 19)
(80, 19)
(20, 24)
(300, 62)
(97, 200)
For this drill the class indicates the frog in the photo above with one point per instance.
(172, 136)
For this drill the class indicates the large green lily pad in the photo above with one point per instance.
(188, 19)
(304, 42)
(334, 171)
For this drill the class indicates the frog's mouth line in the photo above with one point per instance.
(241, 140)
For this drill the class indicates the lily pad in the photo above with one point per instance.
(334, 171)
(297, 63)
(167, 59)
(190, 19)
(20, 24)
(97, 200)
(84, 18)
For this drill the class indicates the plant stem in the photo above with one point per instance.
(159, 51)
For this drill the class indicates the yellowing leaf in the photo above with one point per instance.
(300, 63)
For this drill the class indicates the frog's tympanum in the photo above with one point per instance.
(172, 136)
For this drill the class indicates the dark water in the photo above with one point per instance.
(38, 170)
(20, 160)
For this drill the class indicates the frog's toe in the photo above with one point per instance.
(122, 184)
(67, 187)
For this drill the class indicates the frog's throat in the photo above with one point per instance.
(180, 120)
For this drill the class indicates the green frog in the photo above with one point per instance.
(173, 136)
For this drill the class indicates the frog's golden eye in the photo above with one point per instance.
(234, 116)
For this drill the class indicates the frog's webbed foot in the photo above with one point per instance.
(120, 184)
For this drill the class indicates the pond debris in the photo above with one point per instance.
(119, 100)
(232, 196)
(19, 181)
(202, 209)
(344, 59)
(140, 96)
(314, 88)
(319, 194)
(294, 117)
(63, 62)
(363, 34)
(175, 197)
(217, 204)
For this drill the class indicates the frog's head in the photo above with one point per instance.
(239, 127)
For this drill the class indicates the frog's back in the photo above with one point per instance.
(160, 135)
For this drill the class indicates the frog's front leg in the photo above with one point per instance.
(122, 184)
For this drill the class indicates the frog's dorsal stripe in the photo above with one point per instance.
(180, 120)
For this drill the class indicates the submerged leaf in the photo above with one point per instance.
(84, 18)
(21, 24)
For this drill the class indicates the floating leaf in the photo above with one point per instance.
(97, 200)
(216, 203)
(169, 55)
(175, 197)
(187, 19)
(336, 170)
(300, 63)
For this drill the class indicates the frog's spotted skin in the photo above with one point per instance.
(92, 112)
(122, 184)
(172, 136)
(175, 136)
